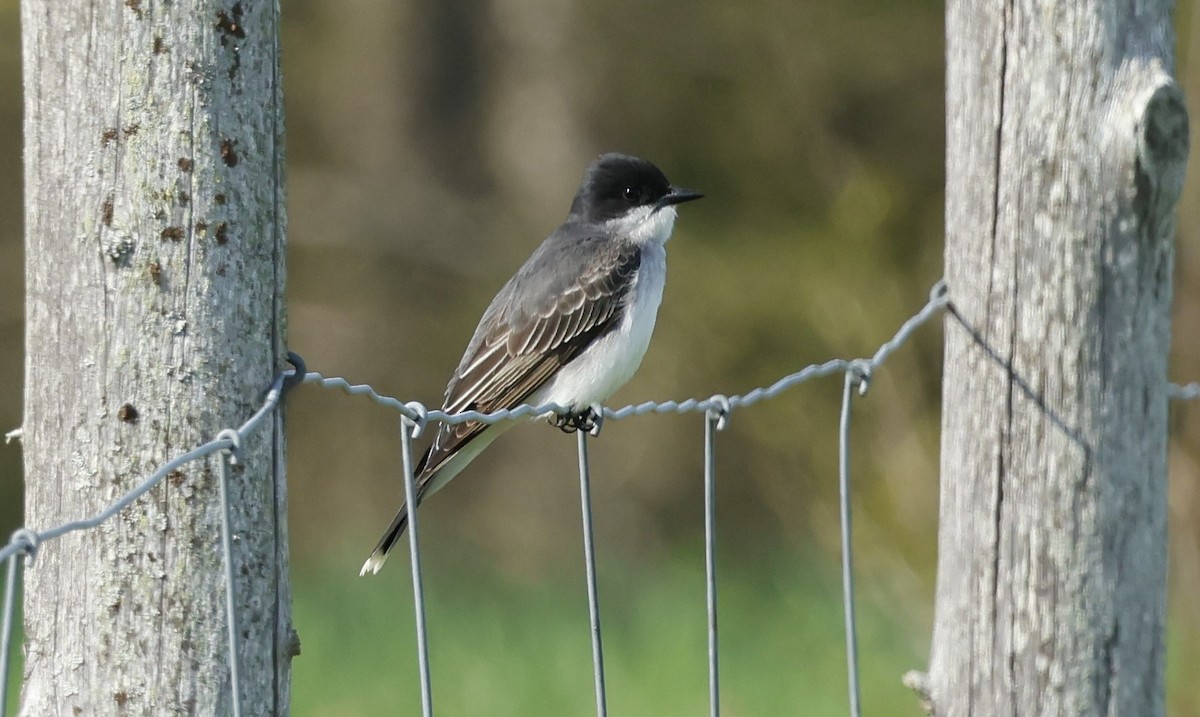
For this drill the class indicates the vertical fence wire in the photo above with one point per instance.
(227, 458)
(10, 589)
(589, 557)
(852, 378)
(407, 428)
(713, 421)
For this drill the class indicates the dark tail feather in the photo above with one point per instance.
(379, 555)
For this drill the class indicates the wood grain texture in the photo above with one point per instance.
(1066, 142)
(154, 268)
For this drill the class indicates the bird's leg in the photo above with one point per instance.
(590, 419)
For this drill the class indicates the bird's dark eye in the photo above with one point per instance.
(633, 195)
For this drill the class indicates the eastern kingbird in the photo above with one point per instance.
(569, 328)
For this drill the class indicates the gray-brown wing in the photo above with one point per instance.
(515, 351)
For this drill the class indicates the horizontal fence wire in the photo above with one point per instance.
(25, 542)
(1189, 392)
(417, 412)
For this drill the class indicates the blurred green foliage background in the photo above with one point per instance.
(431, 145)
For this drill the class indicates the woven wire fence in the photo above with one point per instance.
(23, 546)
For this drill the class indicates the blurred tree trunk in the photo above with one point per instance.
(154, 266)
(1066, 143)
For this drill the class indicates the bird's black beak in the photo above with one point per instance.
(678, 195)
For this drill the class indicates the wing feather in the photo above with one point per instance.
(515, 352)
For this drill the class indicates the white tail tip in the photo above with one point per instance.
(373, 565)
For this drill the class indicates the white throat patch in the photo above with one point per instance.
(645, 225)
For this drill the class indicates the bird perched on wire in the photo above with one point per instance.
(569, 328)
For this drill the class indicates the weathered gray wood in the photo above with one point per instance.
(154, 267)
(1066, 141)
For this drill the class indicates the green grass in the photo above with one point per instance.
(500, 649)
(504, 648)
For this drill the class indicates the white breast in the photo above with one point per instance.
(602, 368)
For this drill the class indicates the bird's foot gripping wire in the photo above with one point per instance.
(589, 420)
